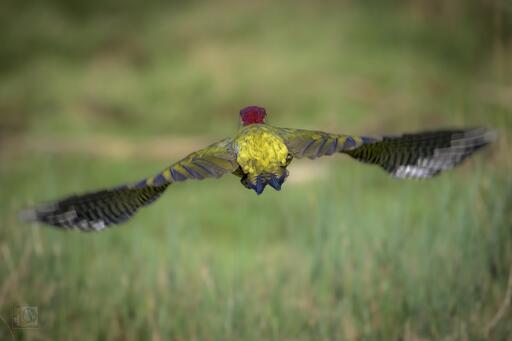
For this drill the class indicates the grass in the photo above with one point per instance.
(343, 252)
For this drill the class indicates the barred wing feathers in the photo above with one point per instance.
(423, 155)
(313, 144)
(98, 210)
(94, 211)
(419, 155)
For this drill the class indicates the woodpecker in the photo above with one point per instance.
(259, 154)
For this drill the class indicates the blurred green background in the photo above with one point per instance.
(98, 93)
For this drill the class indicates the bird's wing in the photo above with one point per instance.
(212, 161)
(419, 155)
(313, 144)
(97, 210)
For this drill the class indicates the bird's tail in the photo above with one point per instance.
(258, 182)
(422, 155)
(94, 211)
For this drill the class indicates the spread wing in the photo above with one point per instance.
(419, 155)
(312, 144)
(97, 210)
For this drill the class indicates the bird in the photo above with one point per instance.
(259, 155)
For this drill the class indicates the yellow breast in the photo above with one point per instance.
(260, 150)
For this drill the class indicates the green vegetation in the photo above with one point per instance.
(343, 252)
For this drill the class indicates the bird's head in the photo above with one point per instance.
(252, 114)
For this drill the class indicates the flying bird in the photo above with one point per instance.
(259, 154)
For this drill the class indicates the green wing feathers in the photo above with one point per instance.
(98, 210)
(312, 144)
(212, 161)
(419, 155)
(423, 155)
